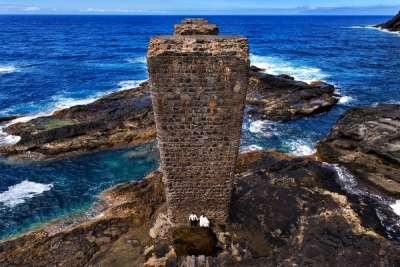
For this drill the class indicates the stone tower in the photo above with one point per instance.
(198, 83)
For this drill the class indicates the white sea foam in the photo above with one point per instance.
(61, 102)
(263, 127)
(345, 99)
(374, 28)
(137, 60)
(300, 148)
(7, 139)
(7, 69)
(275, 66)
(245, 149)
(18, 193)
(129, 84)
(396, 207)
(347, 179)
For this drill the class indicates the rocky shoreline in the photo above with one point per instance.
(366, 140)
(126, 117)
(286, 211)
(121, 118)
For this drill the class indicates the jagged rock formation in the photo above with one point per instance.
(127, 117)
(285, 211)
(124, 117)
(392, 25)
(367, 141)
(132, 206)
(198, 87)
(281, 98)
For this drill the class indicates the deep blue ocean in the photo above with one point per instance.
(52, 62)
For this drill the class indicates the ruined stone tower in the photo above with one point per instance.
(198, 83)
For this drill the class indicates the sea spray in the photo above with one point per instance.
(384, 208)
(18, 193)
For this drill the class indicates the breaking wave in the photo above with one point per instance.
(18, 193)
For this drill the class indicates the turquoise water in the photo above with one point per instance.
(36, 191)
(52, 62)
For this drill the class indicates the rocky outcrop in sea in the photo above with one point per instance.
(282, 98)
(392, 25)
(126, 117)
(285, 211)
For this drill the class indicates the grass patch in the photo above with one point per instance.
(50, 124)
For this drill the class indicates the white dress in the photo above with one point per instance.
(204, 222)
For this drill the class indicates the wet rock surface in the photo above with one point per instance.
(285, 211)
(124, 117)
(281, 98)
(366, 140)
(392, 25)
(106, 241)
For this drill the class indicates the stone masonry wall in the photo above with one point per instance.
(196, 26)
(198, 88)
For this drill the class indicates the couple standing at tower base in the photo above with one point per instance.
(203, 221)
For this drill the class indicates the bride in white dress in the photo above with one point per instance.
(204, 222)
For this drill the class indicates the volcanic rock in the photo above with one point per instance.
(285, 211)
(124, 117)
(392, 25)
(367, 141)
(281, 98)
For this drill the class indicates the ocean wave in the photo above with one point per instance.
(396, 207)
(264, 127)
(349, 183)
(7, 69)
(61, 102)
(275, 66)
(374, 28)
(8, 139)
(345, 100)
(245, 149)
(129, 84)
(18, 193)
(142, 60)
(300, 148)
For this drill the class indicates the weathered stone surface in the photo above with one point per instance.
(95, 242)
(195, 26)
(392, 25)
(124, 117)
(286, 211)
(367, 141)
(281, 98)
(57, 135)
(198, 87)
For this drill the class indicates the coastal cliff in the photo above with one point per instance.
(392, 25)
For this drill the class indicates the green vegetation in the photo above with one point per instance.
(50, 124)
